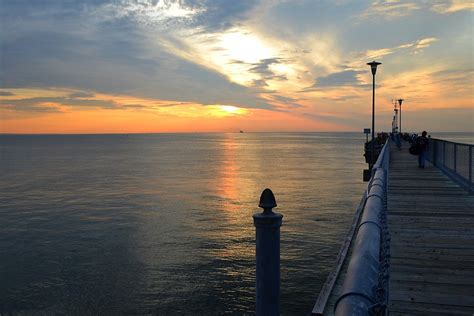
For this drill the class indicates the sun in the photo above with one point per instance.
(244, 47)
(225, 110)
(231, 109)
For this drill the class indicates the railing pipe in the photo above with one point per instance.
(383, 158)
(363, 273)
(268, 226)
(357, 293)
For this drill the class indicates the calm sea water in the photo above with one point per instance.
(162, 223)
(466, 138)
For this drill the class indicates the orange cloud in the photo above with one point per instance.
(67, 111)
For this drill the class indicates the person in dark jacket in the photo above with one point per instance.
(422, 144)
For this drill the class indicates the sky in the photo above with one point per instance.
(147, 66)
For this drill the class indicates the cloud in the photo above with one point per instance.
(416, 46)
(390, 9)
(135, 106)
(349, 120)
(74, 48)
(342, 78)
(30, 108)
(342, 98)
(262, 67)
(114, 65)
(162, 13)
(6, 94)
(282, 102)
(221, 15)
(377, 53)
(201, 15)
(455, 80)
(264, 70)
(259, 83)
(33, 103)
(283, 99)
(453, 6)
(426, 42)
(79, 100)
(81, 94)
(62, 100)
(204, 53)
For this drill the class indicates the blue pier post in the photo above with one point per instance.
(268, 226)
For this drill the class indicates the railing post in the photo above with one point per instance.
(268, 226)
(435, 152)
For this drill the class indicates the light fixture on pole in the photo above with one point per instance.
(373, 66)
(400, 103)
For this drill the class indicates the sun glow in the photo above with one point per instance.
(224, 111)
(236, 51)
(232, 109)
(232, 53)
(244, 47)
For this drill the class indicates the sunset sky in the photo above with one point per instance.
(228, 65)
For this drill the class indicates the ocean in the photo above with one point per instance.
(458, 137)
(162, 223)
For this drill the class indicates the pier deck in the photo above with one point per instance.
(431, 223)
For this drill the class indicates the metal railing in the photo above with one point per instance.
(454, 159)
(365, 287)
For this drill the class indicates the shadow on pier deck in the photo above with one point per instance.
(431, 222)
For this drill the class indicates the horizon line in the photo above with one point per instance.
(253, 132)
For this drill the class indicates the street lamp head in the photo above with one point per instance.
(400, 101)
(373, 66)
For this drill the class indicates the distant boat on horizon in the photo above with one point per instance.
(241, 131)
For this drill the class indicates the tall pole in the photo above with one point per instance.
(400, 103)
(373, 122)
(395, 120)
(373, 67)
(400, 129)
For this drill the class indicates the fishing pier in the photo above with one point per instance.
(410, 248)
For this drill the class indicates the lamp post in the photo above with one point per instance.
(395, 128)
(373, 66)
(395, 116)
(400, 103)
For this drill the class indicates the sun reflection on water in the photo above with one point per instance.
(233, 208)
(229, 174)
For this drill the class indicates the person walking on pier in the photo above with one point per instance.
(398, 141)
(422, 144)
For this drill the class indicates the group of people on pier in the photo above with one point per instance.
(419, 145)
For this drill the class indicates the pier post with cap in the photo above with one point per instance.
(267, 226)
